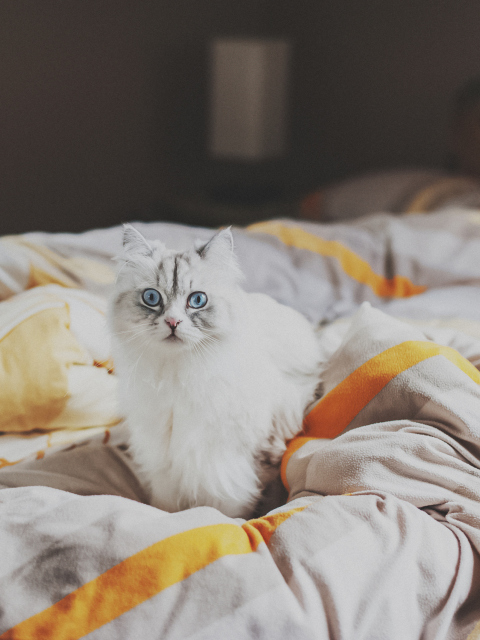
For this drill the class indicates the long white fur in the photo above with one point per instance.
(201, 411)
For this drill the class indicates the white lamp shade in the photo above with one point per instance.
(248, 98)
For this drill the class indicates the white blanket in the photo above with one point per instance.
(381, 534)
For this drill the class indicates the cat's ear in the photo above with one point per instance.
(219, 252)
(220, 246)
(134, 242)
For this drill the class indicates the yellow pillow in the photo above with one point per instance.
(49, 377)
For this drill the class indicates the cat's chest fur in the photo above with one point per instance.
(197, 427)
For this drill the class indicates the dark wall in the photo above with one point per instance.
(375, 81)
(103, 102)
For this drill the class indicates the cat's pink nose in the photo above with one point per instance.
(172, 322)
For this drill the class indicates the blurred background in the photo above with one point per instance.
(105, 105)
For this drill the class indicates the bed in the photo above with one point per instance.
(380, 537)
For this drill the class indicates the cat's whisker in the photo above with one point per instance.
(146, 345)
(197, 350)
(143, 324)
(200, 349)
(136, 335)
(190, 347)
(125, 336)
(133, 369)
(210, 342)
(203, 350)
(190, 350)
(211, 338)
(206, 347)
(208, 333)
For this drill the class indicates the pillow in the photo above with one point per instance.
(396, 191)
(55, 370)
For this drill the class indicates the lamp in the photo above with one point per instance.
(248, 98)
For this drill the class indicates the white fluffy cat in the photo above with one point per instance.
(213, 380)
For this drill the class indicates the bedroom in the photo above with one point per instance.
(105, 120)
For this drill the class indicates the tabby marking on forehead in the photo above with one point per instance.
(175, 277)
(171, 274)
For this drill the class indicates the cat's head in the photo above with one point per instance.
(174, 300)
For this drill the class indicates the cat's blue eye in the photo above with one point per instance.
(151, 297)
(197, 300)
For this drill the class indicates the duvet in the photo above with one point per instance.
(380, 537)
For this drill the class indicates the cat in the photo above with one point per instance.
(212, 380)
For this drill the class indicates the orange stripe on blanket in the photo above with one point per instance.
(357, 268)
(142, 576)
(334, 412)
(294, 445)
(262, 529)
(6, 463)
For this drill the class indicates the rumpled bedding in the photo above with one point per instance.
(396, 191)
(380, 537)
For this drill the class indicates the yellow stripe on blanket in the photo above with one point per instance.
(336, 410)
(143, 576)
(351, 263)
(53, 357)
